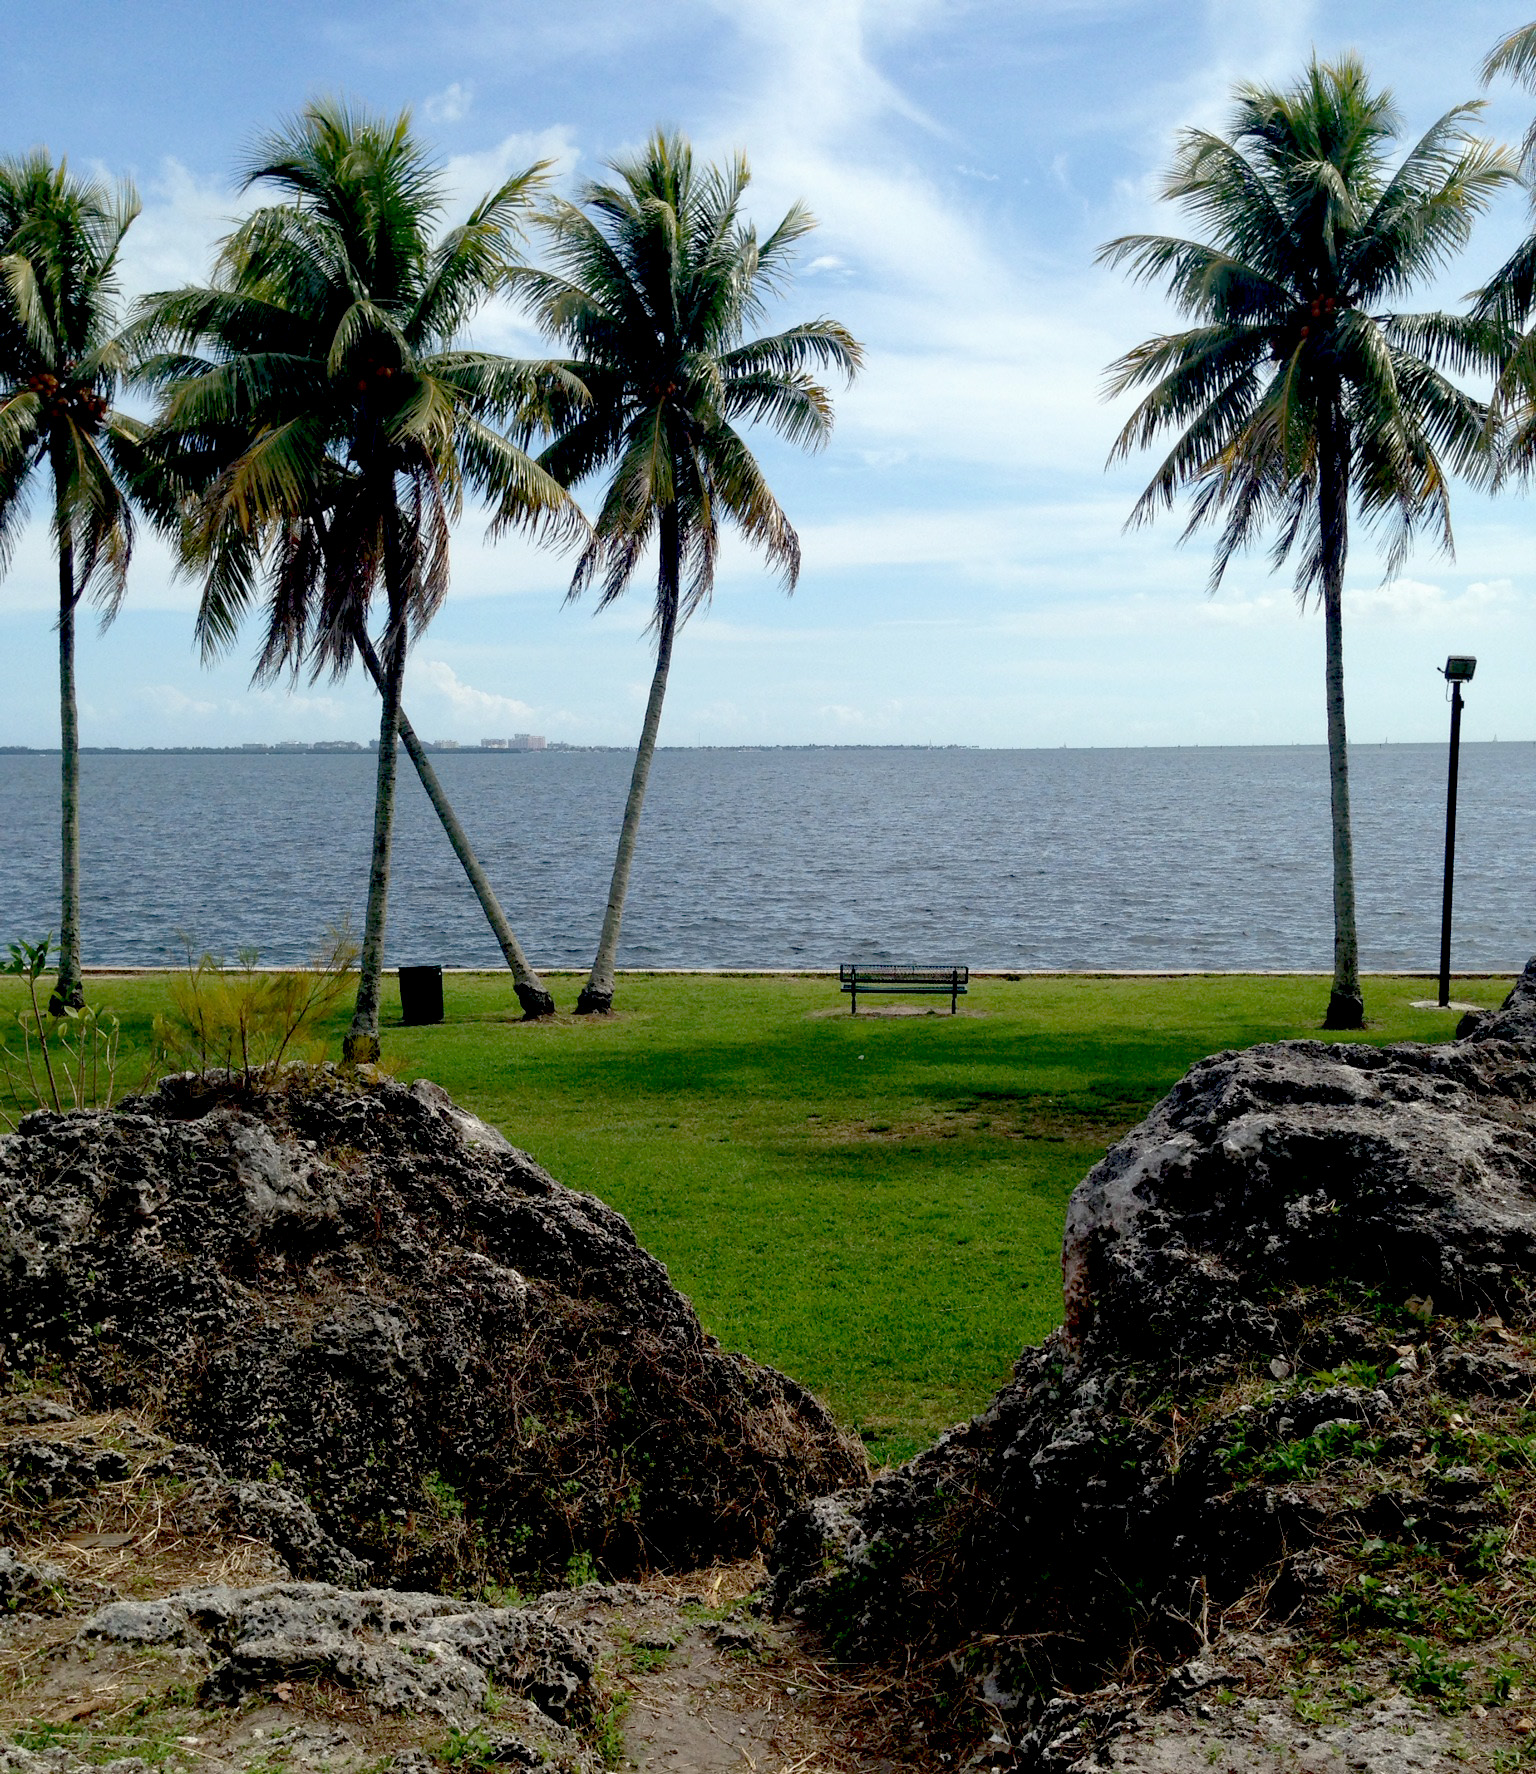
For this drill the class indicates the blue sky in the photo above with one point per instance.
(966, 576)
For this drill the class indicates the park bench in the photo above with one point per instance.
(946, 982)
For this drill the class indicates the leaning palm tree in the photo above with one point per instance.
(61, 362)
(321, 420)
(653, 283)
(1299, 392)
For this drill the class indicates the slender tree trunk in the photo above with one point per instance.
(1346, 1004)
(531, 991)
(597, 993)
(69, 988)
(361, 1046)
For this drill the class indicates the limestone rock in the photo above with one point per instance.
(30, 1584)
(364, 1296)
(402, 1652)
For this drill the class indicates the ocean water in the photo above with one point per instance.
(1159, 858)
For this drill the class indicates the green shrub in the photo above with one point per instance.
(247, 1022)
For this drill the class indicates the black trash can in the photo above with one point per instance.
(421, 994)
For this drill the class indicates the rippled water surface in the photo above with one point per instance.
(1150, 858)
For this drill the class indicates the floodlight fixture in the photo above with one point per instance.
(1459, 669)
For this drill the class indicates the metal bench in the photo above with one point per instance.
(945, 982)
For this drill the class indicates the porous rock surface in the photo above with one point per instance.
(1258, 1280)
(401, 1652)
(417, 1356)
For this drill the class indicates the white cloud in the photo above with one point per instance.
(452, 105)
(168, 700)
(463, 701)
(185, 215)
(1417, 603)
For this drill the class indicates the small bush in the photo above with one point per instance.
(67, 1061)
(248, 1023)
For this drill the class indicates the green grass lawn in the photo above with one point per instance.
(872, 1204)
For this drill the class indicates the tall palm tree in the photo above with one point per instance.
(321, 419)
(653, 283)
(1509, 297)
(1299, 392)
(61, 363)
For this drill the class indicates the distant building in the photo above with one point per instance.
(255, 745)
(444, 745)
(291, 745)
(518, 742)
(337, 745)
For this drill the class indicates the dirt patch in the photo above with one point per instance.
(705, 1683)
(1006, 1118)
(889, 1010)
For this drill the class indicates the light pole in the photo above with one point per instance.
(1458, 671)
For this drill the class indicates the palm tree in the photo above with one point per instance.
(654, 281)
(321, 420)
(1298, 391)
(532, 994)
(61, 362)
(1509, 297)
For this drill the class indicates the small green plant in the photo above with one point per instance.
(1434, 1676)
(1308, 1456)
(1312, 1710)
(246, 1022)
(608, 1731)
(1376, 1603)
(1484, 1550)
(580, 1568)
(41, 1737)
(445, 1498)
(68, 1061)
(467, 1749)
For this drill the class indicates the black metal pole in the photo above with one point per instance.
(1450, 848)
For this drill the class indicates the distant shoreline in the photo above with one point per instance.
(330, 749)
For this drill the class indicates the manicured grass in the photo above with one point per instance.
(872, 1204)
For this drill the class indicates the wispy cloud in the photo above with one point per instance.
(444, 688)
(452, 105)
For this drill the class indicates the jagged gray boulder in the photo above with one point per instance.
(1408, 1168)
(361, 1294)
(401, 1652)
(272, 1513)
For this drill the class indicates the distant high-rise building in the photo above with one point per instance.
(518, 742)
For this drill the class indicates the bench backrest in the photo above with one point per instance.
(851, 971)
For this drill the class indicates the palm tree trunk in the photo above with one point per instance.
(1346, 1004)
(361, 1046)
(69, 989)
(531, 991)
(597, 993)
